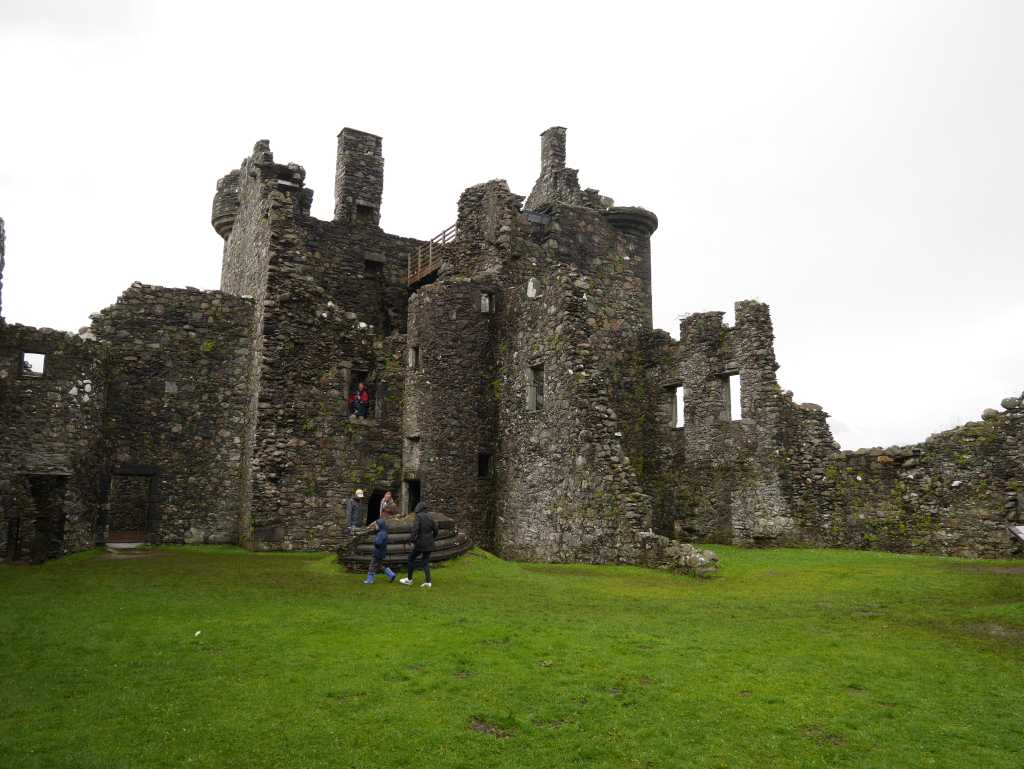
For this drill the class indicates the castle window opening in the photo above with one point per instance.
(674, 406)
(484, 465)
(33, 363)
(373, 268)
(414, 357)
(731, 407)
(356, 377)
(365, 214)
(532, 288)
(535, 389)
(486, 303)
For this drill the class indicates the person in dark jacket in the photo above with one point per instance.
(424, 532)
(355, 511)
(380, 548)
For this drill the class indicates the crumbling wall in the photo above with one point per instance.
(954, 494)
(52, 457)
(776, 476)
(179, 384)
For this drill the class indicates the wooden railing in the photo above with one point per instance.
(428, 256)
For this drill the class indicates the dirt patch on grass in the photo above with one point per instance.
(485, 727)
(995, 630)
(822, 737)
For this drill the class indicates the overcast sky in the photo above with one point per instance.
(856, 165)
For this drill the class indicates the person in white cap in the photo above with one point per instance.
(356, 511)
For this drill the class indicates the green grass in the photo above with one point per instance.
(788, 658)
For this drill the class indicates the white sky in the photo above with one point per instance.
(857, 165)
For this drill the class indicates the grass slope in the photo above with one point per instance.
(788, 658)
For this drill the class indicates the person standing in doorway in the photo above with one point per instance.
(424, 532)
(355, 510)
(359, 402)
(387, 501)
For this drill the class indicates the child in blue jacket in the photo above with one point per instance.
(380, 547)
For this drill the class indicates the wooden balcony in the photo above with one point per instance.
(427, 259)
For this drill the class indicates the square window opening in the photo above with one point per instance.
(33, 363)
(366, 214)
(373, 268)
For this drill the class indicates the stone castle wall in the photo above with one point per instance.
(450, 406)
(331, 310)
(519, 389)
(178, 382)
(52, 460)
(777, 477)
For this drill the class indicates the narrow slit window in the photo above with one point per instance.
(486, 303)
(732, 410)
(484, 465)
(33, 363)
(414, 357)
(535, 389)
(675, 406)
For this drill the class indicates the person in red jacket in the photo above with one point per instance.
(359, 402)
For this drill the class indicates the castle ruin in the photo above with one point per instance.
(516, 383)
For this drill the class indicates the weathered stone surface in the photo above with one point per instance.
(776, 476)
(518, 387)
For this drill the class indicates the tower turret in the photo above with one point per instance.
(359, 181)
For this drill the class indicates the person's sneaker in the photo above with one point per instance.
(425, 584)
(405, 581)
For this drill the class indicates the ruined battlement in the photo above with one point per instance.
(514, 382)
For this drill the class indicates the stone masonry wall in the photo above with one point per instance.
(776, 476)
(566, 487)
(179, 385)
(451, 403)
(330, 310)
(52, 457)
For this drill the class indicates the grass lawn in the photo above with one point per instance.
(216, 657)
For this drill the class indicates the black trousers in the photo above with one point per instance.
(426, 562)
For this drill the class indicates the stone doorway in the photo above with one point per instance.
(373, 506)
(131, 506)
(48, 494)
(40, 528)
